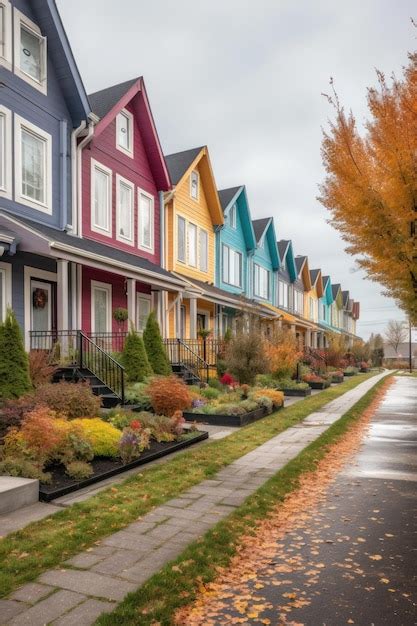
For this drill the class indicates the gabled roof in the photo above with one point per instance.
(180, 162)
(260, 226)
(336, 288)
(327, 289)
(180, 166)
(301, 263)
(345, 296)
(286, 254)
(107, 103)
(356, 310)
(264, 229)
(283, 248)
(59, 50)
(238, 196)
(317, 281)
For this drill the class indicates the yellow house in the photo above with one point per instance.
(311, 304)
(192, 213)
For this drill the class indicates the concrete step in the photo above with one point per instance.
(17, 492)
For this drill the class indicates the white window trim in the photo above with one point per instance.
(200, 231)
(29, 274)
(184, 260)
(268, 278)
(198, 185)
(141, 296)
(7, 287)
(230, 250)
(151, 248)
(195, 265)
(95, 284)
(119, 237)
(6, 55)
(6, 190)
(94, 227)
(21, 19)
(19, 124)
(233, 211)
(128, 114)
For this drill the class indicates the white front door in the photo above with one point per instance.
(143, 308)
(101, 308)
(41, 313)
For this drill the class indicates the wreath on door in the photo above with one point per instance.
(40, 298)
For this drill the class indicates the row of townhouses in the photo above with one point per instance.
(94, 217)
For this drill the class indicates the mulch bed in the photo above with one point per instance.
(105, 467)
(218, 419)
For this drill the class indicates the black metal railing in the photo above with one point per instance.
(100, 363)
(180, 353)
(61, 346)
(110, 342)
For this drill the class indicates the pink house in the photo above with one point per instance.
(123, 176)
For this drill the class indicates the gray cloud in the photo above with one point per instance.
(246, 79)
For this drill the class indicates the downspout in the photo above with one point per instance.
(74, 136)
(80, 147)
(162, 228)
(63, 128)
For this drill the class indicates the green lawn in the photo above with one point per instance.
(178, 582)
(47, 543)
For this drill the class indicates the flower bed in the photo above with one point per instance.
(299, 392)
(106, 467)
(317, 382)
(291, 387)
(218, 419)
(337, 379)
(350, 371)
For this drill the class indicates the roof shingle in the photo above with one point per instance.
(179, 162)
(104, 100)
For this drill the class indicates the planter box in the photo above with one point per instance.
(303, 393)
(106, 468)
(324, 385)
(337, 379)
(228, 420)
(349, 374)
(365, 370)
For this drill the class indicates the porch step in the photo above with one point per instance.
(187, 376)
(75, 375)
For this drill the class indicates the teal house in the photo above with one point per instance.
(325, 307)
(264, 263)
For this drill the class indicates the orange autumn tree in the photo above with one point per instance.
(283, 353)
(371, 184)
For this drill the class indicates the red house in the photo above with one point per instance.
(123, 176)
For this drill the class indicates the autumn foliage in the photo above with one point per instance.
(168, 395)
(371, 184)
(283, 353)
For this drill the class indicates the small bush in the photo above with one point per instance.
(13, 412)
(169, 394)
(41, 434)
(70, 399)
(137, 394)
(155, 348)
(210, 393)
(215, 383)
(40, 368)
(277, 397)
(14, 363)
(245, 356)
(283, 353)
(103, 437)
(265, 403)
(134, 358)
(24, 468)
(79, 470)
(288, 383)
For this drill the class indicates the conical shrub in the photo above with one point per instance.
(14, 362)
(134, 358)
(155, 348)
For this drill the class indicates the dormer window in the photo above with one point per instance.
(124, 133)
(233, 216)
(30, 52)
(194, 184)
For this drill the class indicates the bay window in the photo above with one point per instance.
(124, 218)
(261, 282)
(101, 194)
(146, 221)
(232, 267)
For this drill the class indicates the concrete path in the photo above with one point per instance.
(97, 579)
(352, 559)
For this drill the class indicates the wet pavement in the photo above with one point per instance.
(352, 559)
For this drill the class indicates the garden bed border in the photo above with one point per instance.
(219, 419)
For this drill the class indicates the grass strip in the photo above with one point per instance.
(178, 583)
(45, 544)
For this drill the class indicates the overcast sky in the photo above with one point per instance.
(246, 79)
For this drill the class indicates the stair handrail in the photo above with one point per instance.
(197, 363)
(104, 367)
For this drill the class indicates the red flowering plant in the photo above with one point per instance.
(135, 425)
(228, 381)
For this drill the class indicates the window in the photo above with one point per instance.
(101, 194)
(5, 289)
(233, 216)
(146, 221)
(261, 282)
(232, 267)
(298, 302)
(124, 132)
(143, 308)
(192, 244)
(283, 294)
(312, 309)
(124, 200)
(5, 152)
(5, 33)
(33, 180)
(30, 52)
(181, 239)
(194, 184)
(203, 250)
(101, 305)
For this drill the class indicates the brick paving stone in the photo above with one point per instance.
(85, 614)
(48, 610)
(118, 561)
(141, 527)
(31, 593)
(96, 585)
(9, 609)
(163, 532)
(85, 560)
(179, 503)
(130, 541)
(182, 513)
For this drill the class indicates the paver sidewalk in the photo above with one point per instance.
(97, 579)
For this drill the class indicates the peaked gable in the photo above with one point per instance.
(317, 281)
(107, 103)
(181, 164)
(337, 295)
(303, 272)
(327, 290)
(265, 233)
(286, 255)
(238, 196)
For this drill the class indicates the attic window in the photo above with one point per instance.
(124, 133)
(30, 52)
(233, 216)
(194, 184)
